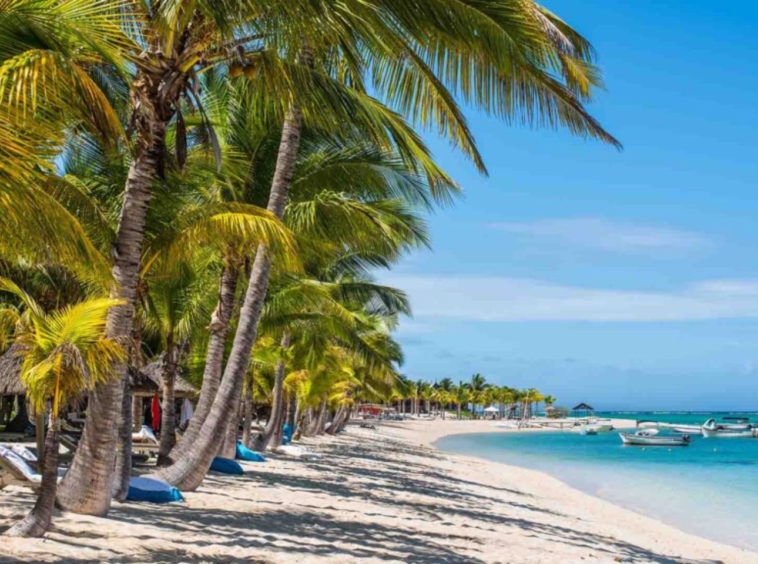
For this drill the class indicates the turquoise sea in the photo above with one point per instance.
(709, 488)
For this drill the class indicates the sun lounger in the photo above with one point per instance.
(16, 470)
(297, 452)
(145, 435)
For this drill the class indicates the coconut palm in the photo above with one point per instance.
(65, 352)
(317, 72)
(461, 396)
(398, 54)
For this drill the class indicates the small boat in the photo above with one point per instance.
(687, 429)
(593, 428)
(650, 437)
(714, 430)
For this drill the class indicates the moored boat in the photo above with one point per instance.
(650, 437)
(714, 430)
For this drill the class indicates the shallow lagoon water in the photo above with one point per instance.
(709, 488)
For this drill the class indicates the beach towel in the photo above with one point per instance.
(155, 409)
(153, 491)
(244, 453)
(226, 466)
(187, 412)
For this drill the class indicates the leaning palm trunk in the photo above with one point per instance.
(188, 471)
(168, 421)
(214, 360)
(276, 419)
(320, 424)
(345, 420)
(339, 417)
(123, 468)
(88, 484)
(247, 409)
(229, 439)
(37, 522)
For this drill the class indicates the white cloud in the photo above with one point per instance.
(518, 299)
(607, 235)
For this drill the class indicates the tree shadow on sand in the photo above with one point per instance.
(369, 475)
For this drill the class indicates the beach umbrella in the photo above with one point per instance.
(491, 409)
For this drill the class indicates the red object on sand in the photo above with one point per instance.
(155, 408)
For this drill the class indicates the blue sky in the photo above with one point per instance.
(626, 279)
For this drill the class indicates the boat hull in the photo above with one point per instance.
(728, 433)
(637, 440)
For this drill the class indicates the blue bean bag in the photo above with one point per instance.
(244, 453)
(287, 432)
(154, 491)
(226, 466)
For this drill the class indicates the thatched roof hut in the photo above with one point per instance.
(145, 382)
(152, 374)
(10, 371)
(584, 407)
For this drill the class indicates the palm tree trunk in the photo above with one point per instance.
(88, 484)
(276, 419)
(123, 469)
(37, 522)
(345, 420)
(339, 416)
(248, 411)
(296, 417)
(168, 419)
(188, 472)
(214, 360)
(229, 439)
(321, 418)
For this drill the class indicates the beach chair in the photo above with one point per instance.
(297, 452)
(16, 470)
(145, 441)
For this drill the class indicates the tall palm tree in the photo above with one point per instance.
(65, 352)
(462, 396)
(399, 53)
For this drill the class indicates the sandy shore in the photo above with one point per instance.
(378, 496)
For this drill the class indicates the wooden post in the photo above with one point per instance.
(137, 412)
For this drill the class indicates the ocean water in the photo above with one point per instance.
(709, 488)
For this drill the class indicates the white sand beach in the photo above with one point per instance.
(381, 495)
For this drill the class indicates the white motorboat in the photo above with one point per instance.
(650, 437)
(687, 429)
(714, 430)
(594, 428)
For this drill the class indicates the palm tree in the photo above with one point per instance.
(477, 385)
(398, 53)
(65, 352)
(426, 52)
(461, 395)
